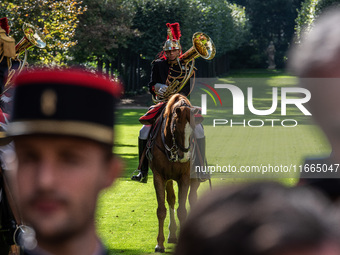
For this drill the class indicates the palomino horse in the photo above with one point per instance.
(171, 162)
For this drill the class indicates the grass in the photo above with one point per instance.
(126, 216)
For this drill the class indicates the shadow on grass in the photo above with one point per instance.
(129, 116)
(124, 251)
(125, 145)
(131, 162)
(134, 251)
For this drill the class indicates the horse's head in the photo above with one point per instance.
(181, 122)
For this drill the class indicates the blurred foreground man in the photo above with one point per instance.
(316, 61)
(62, 128)
(261, 218)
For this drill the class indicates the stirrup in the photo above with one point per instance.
(140, 177)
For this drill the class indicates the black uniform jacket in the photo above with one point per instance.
(159, 74)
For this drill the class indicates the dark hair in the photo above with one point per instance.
(256, 219)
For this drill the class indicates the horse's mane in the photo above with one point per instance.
(175, 101)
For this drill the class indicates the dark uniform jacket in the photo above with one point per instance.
(159, 74)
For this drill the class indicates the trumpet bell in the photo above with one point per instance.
(202, 46)
(32, 37)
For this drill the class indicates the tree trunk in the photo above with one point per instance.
(107, 67)
(99, 65)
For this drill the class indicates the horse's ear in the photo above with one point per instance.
(196, 113)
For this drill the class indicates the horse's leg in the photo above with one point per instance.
(183, 187)
(171, 198)
(194, 184)
(159, 184)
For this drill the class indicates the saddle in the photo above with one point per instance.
(157, 123)
(153, 112)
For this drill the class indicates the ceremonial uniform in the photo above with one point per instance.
(7, 51)
(165, 70)
(7, 220)
(160, 73)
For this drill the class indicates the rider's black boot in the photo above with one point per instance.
(142, 175)
(200, 160)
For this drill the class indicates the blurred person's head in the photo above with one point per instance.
(260, 219)
(62, 128)
(316, 61)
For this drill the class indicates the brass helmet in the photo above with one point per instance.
(174, 35)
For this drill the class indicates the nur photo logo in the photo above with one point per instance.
(239, 99)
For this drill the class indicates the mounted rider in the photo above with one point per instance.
(11, 226)
(169, 76)
(8, 213)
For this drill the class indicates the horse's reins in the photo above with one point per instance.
(174, 139)
(173, 157)
(172, 153)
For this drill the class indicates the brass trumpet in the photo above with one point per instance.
(32, 37)
(203, 47)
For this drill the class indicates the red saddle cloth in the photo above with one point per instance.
(151, 115)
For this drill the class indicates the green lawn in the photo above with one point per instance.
(126, 215)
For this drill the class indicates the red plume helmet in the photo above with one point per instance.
(4, 25)
(175, 31)
(174, 35)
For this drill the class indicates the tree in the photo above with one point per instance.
(309, 11)
(225, 23)
(270, 21)
(103, 30)
(56, 19)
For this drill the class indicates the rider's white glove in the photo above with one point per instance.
(160, 88)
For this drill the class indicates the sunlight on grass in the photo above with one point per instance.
(126, 216)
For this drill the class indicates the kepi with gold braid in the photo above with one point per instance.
(64, 102)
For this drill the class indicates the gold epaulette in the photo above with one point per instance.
(7, 45)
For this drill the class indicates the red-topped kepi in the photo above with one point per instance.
(64, 102)
(4, 25)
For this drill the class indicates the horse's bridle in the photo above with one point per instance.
(172, 152)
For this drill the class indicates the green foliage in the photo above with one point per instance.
(225, 23)
(57, 19)
(150, 20)
(306, 17)
(309, 11)
(120, 35)
(102, 31)
(271, 21)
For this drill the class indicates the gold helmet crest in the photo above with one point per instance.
(173, 38)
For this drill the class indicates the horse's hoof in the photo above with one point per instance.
(159, 249)
(172, 240)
